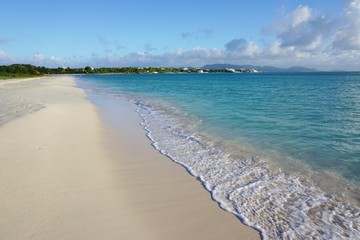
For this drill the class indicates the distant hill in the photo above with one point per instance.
(262, 68)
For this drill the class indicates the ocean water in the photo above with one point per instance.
(279, 150)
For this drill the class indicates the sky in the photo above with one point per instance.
(319, 34)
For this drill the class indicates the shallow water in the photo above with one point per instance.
(281, 151)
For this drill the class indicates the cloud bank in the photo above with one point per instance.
(347, 36)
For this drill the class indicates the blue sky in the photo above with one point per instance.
(321, 34)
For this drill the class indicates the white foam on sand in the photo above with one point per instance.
(281, 206)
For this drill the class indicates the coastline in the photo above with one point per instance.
(246, 181)
(71, 170)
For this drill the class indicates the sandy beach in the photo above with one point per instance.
(75, 169)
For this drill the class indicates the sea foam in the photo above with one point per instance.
(279, 205)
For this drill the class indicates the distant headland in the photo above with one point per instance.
(259, 68)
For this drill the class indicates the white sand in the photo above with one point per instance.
(68, 172)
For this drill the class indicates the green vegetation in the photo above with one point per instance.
(19, 71)
(27, 70)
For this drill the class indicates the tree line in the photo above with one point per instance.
(27, 70)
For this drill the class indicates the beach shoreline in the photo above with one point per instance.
(76, 170)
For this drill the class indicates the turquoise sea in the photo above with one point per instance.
(279, 150)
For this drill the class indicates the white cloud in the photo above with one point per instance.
(242, 48)
(301, 14)
(307, 37)
(40, 59)
(6, 59)
(37, 59)
(347, 37)
(195, 57)
(304, 29)
(275, 50)
(236, 45)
